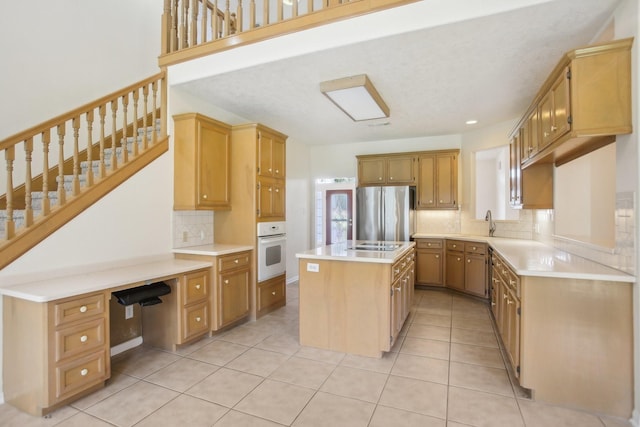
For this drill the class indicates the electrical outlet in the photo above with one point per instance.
(312, 266)
(185, 236)
(201, 234)
(128, 312)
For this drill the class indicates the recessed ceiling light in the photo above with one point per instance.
(471, 122)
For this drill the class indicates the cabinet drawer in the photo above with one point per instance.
(429, 243)
(78, 339)
(80, 374)
(455, 245)
(229, 262)
(475, 248)
(195, 288)
(195, 320)
(270, 294)
(78, 308)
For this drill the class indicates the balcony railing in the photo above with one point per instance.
(195, 28)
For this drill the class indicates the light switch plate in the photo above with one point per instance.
(128, 312)
(311, 266)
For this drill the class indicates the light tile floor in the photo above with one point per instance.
(446, 369)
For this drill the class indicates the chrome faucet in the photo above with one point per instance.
(492, 225)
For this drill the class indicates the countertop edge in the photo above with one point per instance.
(76, 284)
(612, 275)
(210, 250)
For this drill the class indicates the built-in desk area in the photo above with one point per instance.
(56, 343)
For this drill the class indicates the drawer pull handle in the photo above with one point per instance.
(273, 293)
(509, 301)
(397, 270)
(493, 304)
(468, 261)
(198, 319)
(83, 309)
(226, 281)
(512, 282)
(198, 286)
(474, 248)
(398, 289)
(84, 372)
(236, 260)
(455, 246)
(277, 171)
(428, 244)
(504, 296)
(84, 338)
(269, 169)
(458, 258)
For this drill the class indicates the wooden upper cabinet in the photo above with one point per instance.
(386, 170)
(554, 110)
(271, 155)
(584, 103)
(437, 186)
(202, 163)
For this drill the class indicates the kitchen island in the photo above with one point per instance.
(355, 296)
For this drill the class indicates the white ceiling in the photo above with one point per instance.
(433, 79)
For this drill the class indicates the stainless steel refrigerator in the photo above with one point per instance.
(385, 213)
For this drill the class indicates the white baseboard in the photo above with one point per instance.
(635, 418)
(127, 345)
(291, 280)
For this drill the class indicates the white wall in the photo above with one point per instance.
(626, 18)
(58, 56)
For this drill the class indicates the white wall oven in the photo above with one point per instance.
(272, 249)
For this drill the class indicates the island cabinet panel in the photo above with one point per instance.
(354, 307)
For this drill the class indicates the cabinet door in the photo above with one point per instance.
(429, 267)
(426, 182)
(512, 343)
(475, 271)
(278, 206)
(278, 156)
(400, 171)
(446, 180)
(233, 299)
(529, 139)
(371, 171)
(265, 155)
(265, 198)
(455, 270)
(554, 110)
(213, 167)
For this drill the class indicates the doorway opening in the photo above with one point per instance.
(334, 208)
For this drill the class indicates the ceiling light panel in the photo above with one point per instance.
(357, 97)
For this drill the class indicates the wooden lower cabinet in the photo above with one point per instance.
(355, 307)
(184, 314)
(54, 352)
(230, 287)
(466, 267)
(271, 294)
(429, 262)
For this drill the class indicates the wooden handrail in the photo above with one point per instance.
(188, 33)
(51, 123)
(126, 124)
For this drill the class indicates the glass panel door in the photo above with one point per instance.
(339, 218)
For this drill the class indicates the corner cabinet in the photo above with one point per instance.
(387, 169)
(466, 267)
(202, 163)
(437, 186)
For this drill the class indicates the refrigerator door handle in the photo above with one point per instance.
(382, 216)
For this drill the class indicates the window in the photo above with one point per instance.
(492, 184)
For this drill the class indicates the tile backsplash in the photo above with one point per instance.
(192, 228)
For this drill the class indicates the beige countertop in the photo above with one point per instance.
(532, 258)
(344, 252)
(214, 249)
(86, 279)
